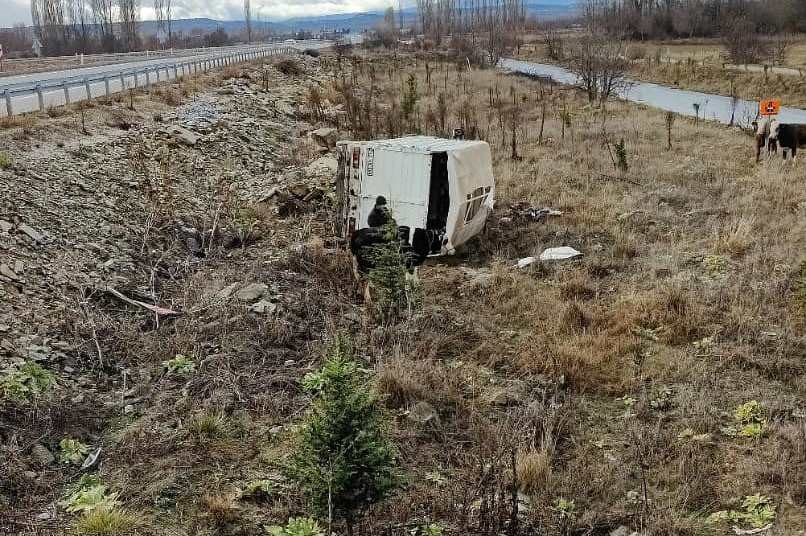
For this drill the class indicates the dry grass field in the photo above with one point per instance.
(650, 384)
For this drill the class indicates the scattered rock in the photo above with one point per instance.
(183, 135)
(424, 413)
(252, 292)
(263, 307)
(7, 272)
(42, 455)
(31, 232)
(227, 292)
(325, 137)
(326, 165)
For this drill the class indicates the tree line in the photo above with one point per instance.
(482, 29)
(647, 19)
(63, 27)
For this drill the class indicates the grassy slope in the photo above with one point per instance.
(684, 297)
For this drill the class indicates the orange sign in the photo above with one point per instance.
(770, 107)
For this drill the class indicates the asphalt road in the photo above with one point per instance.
(23, 98)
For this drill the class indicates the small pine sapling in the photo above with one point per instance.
(344, 461)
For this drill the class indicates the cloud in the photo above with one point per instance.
(19, 10)
(15, 11)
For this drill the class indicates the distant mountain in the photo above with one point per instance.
(359, 21)
(206, 26)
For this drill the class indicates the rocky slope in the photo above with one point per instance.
(112, 243)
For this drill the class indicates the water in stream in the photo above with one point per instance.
(713, 107)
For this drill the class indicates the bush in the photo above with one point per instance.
(636, 52)
(395, 291)
(5, 161)
(105, 522)
(25, 382)
(312, 52)
(742, 42)
(289, 67)
(297, 526)
(343, 461)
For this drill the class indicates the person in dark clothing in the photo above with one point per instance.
(380, 214)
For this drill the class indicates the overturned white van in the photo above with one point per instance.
(440, 188)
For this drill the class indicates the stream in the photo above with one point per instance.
(684, 102)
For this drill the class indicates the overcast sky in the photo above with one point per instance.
(12, 11)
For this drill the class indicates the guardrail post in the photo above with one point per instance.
(40, 97)
(136, 81)
(122, 82)
(106, 85)
(9, 110)
(66, 93)
(148, 78)
(87, 87)
(176, 72)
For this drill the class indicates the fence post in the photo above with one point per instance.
(40, 97)
(9, 110)
(66, 93)
(87, 87)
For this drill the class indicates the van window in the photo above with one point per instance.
(474, 202)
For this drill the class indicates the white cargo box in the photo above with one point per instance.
(442, 186)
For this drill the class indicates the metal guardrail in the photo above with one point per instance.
(129, 78)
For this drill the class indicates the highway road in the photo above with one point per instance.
(38, 91)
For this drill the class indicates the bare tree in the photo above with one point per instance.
(103, 17)
(741, 40)
(555, 45)
(163, 9)
(129, 19)
(247, 14)
(599, 64)
(47, 17)
(779, 46)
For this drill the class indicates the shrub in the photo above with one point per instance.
(750, 421)
(410, 97)
(621, 156)
(105, 522)
(636, 52)
(180, 365)
(395, 291)
(25, 382)
(800, 289)
(72, 451)
(758, 511)
(207, 425)
(89, 494)
(343, 461)
(533, 470)
(297, 526)
(312, 52)
(5, 161)
(289, 67)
